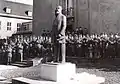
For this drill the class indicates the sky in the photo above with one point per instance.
(30, 2)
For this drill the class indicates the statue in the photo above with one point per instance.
(58, 35)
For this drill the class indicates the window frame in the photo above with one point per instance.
(9, 26)
(19, 27)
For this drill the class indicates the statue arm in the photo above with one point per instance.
(63, 28)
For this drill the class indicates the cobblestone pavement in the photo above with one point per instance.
(111, 76)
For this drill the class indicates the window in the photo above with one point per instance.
(25, 27)
(7, 10)
(8, 25)
(29, 13)
(18, 26)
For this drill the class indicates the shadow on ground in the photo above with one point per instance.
(108, 65)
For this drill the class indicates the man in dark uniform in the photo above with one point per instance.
(58, 35)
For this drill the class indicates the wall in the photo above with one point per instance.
(98, 15)
(3, 31)
(108, 14)
(43, 15)
(81, 13)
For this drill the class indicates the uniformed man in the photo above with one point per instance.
(9, 50)
(20, 51)
(58, 35)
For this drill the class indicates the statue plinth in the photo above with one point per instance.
(57, 71)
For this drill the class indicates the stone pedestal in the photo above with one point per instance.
(57, 71)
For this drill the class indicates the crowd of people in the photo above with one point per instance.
(20, 49)
(94, 45)
(78, 44)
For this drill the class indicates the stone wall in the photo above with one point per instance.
(98, 15)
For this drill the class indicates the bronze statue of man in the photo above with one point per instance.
(58, 35)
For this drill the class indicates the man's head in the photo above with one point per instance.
(58, 10)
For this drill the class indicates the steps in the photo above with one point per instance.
(23, 64)
(22, 80)
(4, 81)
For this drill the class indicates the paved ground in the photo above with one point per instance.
(110, 72)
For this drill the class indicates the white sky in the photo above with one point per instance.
(30, 2)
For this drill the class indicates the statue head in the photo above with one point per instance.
(58, 10)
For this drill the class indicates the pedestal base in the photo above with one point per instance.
(57, 71)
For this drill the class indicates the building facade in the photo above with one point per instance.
(12, 15)
(97, 16)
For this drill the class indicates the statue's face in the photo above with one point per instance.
(58, 10)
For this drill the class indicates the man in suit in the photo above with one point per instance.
(58, 35)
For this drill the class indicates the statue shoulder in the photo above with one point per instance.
(63, 16)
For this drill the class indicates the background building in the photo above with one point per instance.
(43, 13)
(96, 15)
(12, 15)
